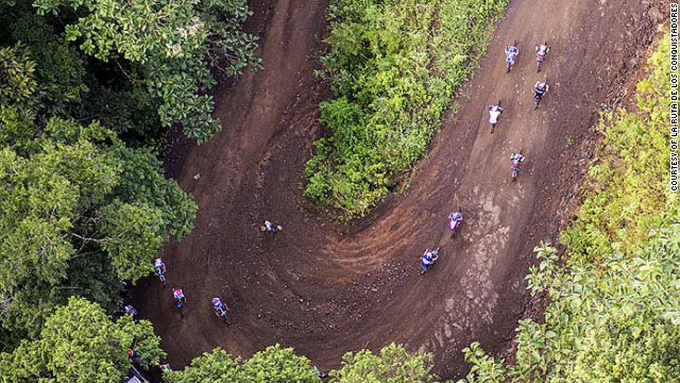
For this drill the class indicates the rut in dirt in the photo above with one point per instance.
(325, 289)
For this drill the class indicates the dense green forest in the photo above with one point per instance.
(80, 343)
(394, 66)
(87, 93)
(614, 306)
(82, 208)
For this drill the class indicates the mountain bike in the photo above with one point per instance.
(434, 254)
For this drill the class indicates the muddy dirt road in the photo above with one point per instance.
(325, 289)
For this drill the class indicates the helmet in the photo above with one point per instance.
(216, 301)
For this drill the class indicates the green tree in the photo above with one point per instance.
(214, 366)
(17, 82)
(393, 365)
(168, 44)
(618, 212)
(77, 208)
(60, 70)
(620, 324)
(80, 343)
(66, 198)
(274, 364)
(278, 365)
(67, 85)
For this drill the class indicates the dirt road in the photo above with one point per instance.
(325, 289)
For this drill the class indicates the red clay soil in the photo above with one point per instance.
(326, 289)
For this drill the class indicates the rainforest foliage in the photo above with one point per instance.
(394, 66)
(614, 310)
(80, 210)
(81, 344)
(626, 192)
(166, 48)
(87, 90)
(392, 364)
(275, 364)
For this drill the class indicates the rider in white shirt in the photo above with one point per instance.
(494, 112)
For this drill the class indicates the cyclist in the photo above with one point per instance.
(428, 258)
(221, 309)
(541, 51)
(495, 111)
(270, 227)
(540, 89)
(130, 310)
(178, 294)
(511, 52)
(159, 266)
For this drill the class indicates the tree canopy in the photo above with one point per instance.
(170, 47)
(80, 343)
(73, 197)
(393, 365)
(275, 364)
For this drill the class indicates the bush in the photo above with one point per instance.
(393, 75)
